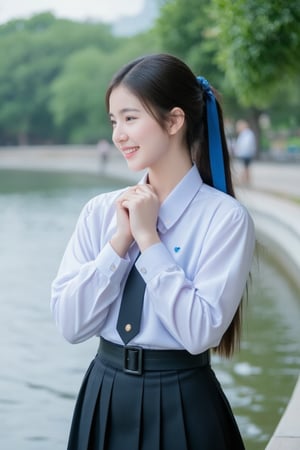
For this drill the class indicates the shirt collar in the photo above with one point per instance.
(178, 200)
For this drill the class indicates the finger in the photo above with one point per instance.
(126, 195)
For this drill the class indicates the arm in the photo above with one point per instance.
(197, 312)
(87, 281)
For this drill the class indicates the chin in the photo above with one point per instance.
(137, 167)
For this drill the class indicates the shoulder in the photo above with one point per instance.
(221, 205)
(101, 203)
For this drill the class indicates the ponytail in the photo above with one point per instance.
(201, 156)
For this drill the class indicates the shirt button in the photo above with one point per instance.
(143, 270)
(112, 267)
(128, 327)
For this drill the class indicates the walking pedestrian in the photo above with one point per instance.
(245, 148)
(104, 149)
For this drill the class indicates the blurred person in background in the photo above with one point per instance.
(245, 148)
(103, 148)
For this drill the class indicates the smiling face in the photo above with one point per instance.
(140, 138)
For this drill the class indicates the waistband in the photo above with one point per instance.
(135, 360)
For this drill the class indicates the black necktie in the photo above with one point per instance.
(130, 313)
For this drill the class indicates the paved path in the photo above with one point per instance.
(62, 158)
(280, 178)
(274, 201)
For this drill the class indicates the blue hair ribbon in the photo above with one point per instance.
(216, 159)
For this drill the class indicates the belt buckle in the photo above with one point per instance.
(133, 360)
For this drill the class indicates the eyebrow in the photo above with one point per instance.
(125, 110)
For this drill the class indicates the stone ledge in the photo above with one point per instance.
(277, 222)
(284, 443)
(287, 433)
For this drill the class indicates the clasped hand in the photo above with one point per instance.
(137, 211)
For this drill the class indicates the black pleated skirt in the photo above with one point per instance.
(160, 410)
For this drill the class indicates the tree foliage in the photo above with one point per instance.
(77, 95)
(54, 72)
(182, 30)
(32, 54)
(53, 76)
(258, 46)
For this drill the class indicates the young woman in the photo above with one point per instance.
(189, 244)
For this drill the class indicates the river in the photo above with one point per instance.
(41, 373)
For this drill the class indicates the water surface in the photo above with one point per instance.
(41, 373)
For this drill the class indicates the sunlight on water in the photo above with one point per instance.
(41, 373)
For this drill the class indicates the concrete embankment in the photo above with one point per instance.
(277, 224)
(274, 203)
(273, 200)
(81, 159)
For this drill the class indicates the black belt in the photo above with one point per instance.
(135, 360)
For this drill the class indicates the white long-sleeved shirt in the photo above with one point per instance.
(195, 276)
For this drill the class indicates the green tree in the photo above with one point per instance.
(258, 46)
(77, 96)
(77, 93)
(185, 28)
(247, 48)
(182, 29)
(53, 76)
(32, 55)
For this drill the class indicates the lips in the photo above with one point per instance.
(128, 152)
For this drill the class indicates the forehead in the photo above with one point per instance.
(122, 98)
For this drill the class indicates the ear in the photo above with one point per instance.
(176, 120)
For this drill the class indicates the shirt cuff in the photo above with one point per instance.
(154, 260)
(109, 263)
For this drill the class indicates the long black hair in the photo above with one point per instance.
(162, 82)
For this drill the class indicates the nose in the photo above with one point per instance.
(119, 135)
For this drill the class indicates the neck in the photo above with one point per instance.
(164, 178)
